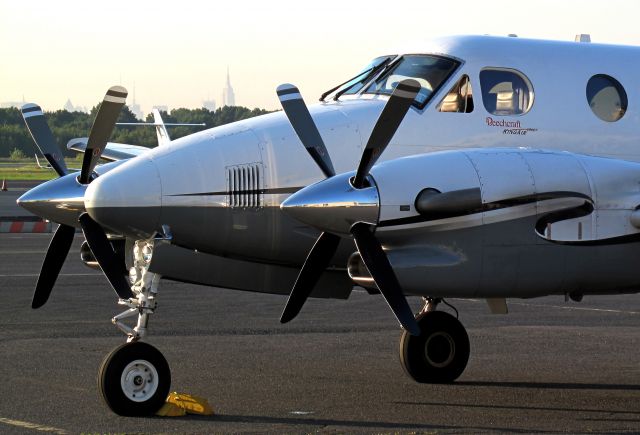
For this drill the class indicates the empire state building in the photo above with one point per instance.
(228, 96)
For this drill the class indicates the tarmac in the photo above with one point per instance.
(549, 366)
(15, 189)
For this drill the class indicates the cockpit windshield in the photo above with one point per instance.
(430, 71)
(355, 84)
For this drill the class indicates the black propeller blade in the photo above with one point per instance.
(53, 261)
(111, 265)
(43, 138)
(101, 130)
(300, 118)
(315, 264)
(95, 235)
(380, 269)
(386, 126)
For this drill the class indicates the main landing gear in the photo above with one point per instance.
(134, 378)
(441, 352)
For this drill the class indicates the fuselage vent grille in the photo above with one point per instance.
(244, 186)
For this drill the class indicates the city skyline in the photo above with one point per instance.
(228, 99)
(182, 57)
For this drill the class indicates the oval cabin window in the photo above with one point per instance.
(606, 97)
(505, 91)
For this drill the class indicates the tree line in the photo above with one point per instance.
(69, 125)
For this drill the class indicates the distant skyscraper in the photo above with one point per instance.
(135, 108)
(68, 106)
(228, 97)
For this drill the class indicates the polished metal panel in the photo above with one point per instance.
(113, 198)
(434, 204)
(359, 273)
(334, 205)
(60, 200)
(182, 264)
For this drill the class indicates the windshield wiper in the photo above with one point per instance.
(366, 74)
(324, 95)
(373, 71)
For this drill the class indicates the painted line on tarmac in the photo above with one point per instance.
(561, 307)
(33, 426)
(16, 251)
(29, 275)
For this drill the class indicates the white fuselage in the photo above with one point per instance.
(220, 190)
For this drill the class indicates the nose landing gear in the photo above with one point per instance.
(134, 379)
(440, 353)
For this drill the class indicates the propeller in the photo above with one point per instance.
(300, 118)
(61, 242)
(368, 246)
(43, 138)
(101, 130)
(53, 261)
(109, 262)
(316, 262)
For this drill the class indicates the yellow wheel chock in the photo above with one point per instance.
(180, 404)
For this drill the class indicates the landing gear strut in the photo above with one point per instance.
(441, 352)
(134, 378)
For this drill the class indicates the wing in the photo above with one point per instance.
(114, 151)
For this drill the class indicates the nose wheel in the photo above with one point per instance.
(134, 379)
(440, 353)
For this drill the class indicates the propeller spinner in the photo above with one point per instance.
(345, 205)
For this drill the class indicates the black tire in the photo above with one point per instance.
(440, 353)
(119, 391)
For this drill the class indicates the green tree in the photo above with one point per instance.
(70, 125)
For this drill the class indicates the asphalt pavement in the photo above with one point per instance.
(549, 366)
(15, 189)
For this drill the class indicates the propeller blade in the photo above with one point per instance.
(380, 269)
(392, 115)
(53, 261)
(101, 130)
(315, 264)
(300, 118)
(109, 262)
(43, 138)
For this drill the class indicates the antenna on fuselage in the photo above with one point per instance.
(583, 37)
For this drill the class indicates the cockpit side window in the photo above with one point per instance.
(430, 71)
(505, 91)
(459, 99)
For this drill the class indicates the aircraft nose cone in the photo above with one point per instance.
(334, 205)
(127, 199)
(60, 200)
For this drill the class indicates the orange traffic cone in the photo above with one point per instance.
(4, 185)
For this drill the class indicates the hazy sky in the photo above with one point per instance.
(177, 52)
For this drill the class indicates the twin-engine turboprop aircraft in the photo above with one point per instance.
(468, 167)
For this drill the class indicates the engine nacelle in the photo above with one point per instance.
(576, 198)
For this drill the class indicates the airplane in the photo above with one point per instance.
(462, 167)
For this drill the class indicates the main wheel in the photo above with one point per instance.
(440, 353)
(134, 379)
